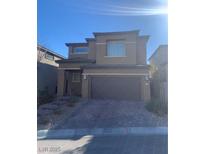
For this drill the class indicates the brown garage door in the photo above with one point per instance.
(118, 88)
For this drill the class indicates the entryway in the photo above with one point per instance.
(73, 82)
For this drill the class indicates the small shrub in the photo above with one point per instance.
(44, 121)
(157, 107)
(44, 97)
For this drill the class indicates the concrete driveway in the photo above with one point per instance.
(109, 114)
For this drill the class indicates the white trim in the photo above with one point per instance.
(126, 42)
(100, 43)
(131, 42)
(115, 74)
(77, 68)
(69, 68)
(115, 56)
(84, 53)
(141, 65)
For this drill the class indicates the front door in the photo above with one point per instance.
(73, 83)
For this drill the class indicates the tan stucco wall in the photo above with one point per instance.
(92, 49)
(159, 64)
(135, 49)
(85, 87)
(71, 65)
(71, 54)
(141, 47)
(78, 55)
(160, 56)
(116, 70)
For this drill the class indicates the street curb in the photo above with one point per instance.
(68, 133)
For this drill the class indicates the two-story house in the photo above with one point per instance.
(112, 65)
(47, 69)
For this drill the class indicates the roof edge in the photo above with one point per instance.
(157, 50)
(73, 44)
(75, 61)
(50, 51)
(115, 33)
(90, 39)
(146, 37)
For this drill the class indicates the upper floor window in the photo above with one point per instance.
(49, 56)
(116, 49)
(80, 50)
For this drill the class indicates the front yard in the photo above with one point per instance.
(51, 114)
(100, 114)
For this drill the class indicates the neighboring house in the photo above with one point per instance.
(47, 69)
(159, 73)
(112, 65)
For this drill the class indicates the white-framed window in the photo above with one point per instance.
(116, 48)
(80, 50)
(49, 56)
(76, 76)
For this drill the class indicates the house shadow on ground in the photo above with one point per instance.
(125, 144)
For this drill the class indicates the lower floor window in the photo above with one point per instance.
(76, 77)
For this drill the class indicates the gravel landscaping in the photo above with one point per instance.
(108, 114)
(50, 115)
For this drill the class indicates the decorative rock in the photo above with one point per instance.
(42, 112)
(49, 106)
(60, 103)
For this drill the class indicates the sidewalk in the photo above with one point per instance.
(68, 133)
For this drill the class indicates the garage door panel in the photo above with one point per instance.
(119, 88)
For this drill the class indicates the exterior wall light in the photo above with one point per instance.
(147, 78)
(84, 77)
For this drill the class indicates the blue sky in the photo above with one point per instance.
(62, 21)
